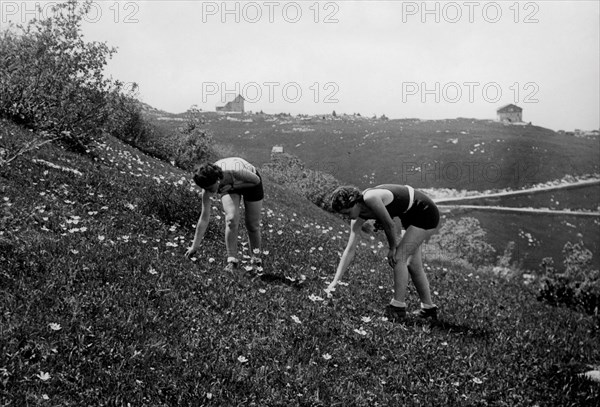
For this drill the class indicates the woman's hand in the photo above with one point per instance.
(391, 256)
(223, 188)
(191, 251)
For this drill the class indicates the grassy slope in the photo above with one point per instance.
(102, 256)
(503, 157)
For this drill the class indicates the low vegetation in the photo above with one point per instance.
(99, 306)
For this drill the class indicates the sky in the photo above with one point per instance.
(402, 59)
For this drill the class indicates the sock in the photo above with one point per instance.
(426, 306)
(231, 259)
(399, 304)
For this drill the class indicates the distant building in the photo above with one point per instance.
(236, 105)
(510, 114)
(277, 150)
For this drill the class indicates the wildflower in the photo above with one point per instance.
(296, 319)
(477, 380)
(101, 238)
(242, 359)
(262, 290)
(366, 320)
(55, 327)
(314, 298)
(327, 356)
(360, 331)
(152, 271)
(211, 260)
(43, 376)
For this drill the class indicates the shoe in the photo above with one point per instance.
(231, 266)
(395, 313)
(426, 313)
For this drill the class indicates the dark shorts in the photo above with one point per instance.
(252, 194)
(423, 214)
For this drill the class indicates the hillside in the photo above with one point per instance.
(98, 305)
(503, 158)
(467, 154)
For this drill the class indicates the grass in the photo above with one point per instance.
(467, 154)
(98, 306)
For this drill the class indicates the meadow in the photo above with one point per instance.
(459, 154)
(454, 157)
(99, 306)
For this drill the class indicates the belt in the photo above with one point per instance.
(411, 197)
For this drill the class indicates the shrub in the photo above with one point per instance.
(127, 121)
(290, 171)
(51, 80)
(464, 239)
(194, 145)
(577, 286)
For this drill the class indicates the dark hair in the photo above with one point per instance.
(345, 197)
(207, 174)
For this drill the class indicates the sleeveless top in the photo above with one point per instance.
(404, 196)
(235, 164)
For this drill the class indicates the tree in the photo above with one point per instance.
(52, 81)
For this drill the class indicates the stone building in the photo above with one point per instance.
(510, 114)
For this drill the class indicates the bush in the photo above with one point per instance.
(577, 286)
(464, 239)
(51, 80)
(127, 121)
(193, 146)
(290, 171)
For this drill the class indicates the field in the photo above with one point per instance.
(469, 154)
(444, 156)
(99, 306)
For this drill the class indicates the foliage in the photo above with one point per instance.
(194, 145)
(464, 239)
(99, 306)
(51, 80)
(127, 120)
(577, 286)
(288, 170)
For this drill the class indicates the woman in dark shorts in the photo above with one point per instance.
(419, 216)
(233, 178)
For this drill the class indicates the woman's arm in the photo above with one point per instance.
(375, 202)
(240, 179)
(349, 252)
(202, 224)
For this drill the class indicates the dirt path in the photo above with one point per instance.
(453, 203)
(518, 210)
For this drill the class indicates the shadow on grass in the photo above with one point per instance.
(451, 327)
(281, 279)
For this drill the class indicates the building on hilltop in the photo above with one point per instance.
(235, 106)
(510, 114)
